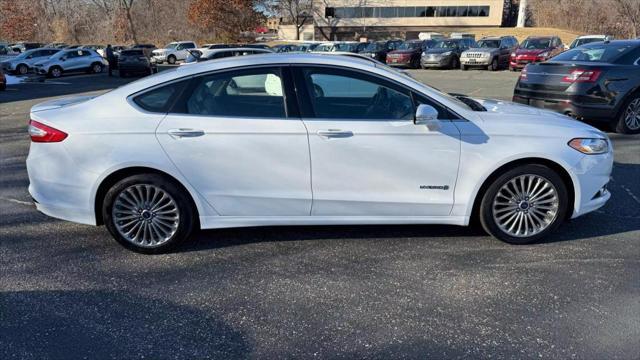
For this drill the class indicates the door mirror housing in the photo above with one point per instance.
(427, 115)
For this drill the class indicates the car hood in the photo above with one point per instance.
(438, 50)
(58, 103)
(530, 51)
(519, 119)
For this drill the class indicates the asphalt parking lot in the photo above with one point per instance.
(69, 291)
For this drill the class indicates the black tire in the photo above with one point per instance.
(22, 69)
(619, 124)
(415, 63)
(495, 65)
(486, 206)
(455, 63)
(171, 59)
(464, 67)
(187, 213)
(55, 72)
(3, 87)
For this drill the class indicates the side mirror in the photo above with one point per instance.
(427, 115)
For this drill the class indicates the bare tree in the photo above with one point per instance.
(298, 12)
(629, 10)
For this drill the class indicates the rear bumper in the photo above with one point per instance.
(568, 105)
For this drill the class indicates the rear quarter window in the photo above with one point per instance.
(159, 100)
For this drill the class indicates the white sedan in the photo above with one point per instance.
(307, 139)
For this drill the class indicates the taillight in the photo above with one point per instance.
(579, 75)
(45, 134)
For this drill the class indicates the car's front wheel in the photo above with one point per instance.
(494, 65)
(171, 59)
(629, 120)
(22, 69)
(148, 214)
(524, 204)
(55, 72)
(96, 68)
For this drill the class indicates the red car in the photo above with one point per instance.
(535, 49)
(408, 53)
(3, 81)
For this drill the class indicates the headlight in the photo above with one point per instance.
(513, 54)
(424, 54)
(486, 55)
(544, 54)
(446, 53)
(590, 146)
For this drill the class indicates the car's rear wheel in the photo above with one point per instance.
(22, 69)
(55, 72)
(148, 214)
(494, 65)
(455, 63)
(629, 120)
(96, 68)
(171, 59)
(524, 204)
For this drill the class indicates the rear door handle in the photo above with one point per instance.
(335, 133)
(184, 133)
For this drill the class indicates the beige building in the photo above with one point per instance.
(349, 19)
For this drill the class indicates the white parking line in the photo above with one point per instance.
(27, 203)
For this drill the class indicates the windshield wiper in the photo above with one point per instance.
(474, 105)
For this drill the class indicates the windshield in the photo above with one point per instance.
(410, 45)
(171, 46)
(373, 47)
(536, 44)
(489, 44)
(603, 53)
(580, 42)
(446, 44)
(324, 47)
(25, 54)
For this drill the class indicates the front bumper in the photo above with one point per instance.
(475, 61)
(520, 62)
(593, 173)
(158, 59)
(435, 61)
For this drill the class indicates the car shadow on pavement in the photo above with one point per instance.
(620, 215)
(64, 86)
(93, 324)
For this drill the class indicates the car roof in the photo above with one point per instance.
(541, 37)
(630, 42)
(591, 36)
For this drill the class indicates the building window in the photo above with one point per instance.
(407, 11)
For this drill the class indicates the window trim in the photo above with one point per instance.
(306, 107)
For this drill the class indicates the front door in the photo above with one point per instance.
(368, 157)
(230, 136)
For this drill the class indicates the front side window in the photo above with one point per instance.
(338, 94)
(247, 93)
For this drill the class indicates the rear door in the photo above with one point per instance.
(232, 137)
(368, 157)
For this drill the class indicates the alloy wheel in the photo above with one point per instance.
(55, 72)
(145, 215)
(526, 205)
(632, 115)
(97, 68)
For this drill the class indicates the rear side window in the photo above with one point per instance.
(254, 93)
(131, 53)
(160, 99)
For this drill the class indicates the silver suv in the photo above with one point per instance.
(491, 53)
(24, 62)
(71, 60)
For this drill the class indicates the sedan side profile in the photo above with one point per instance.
(307, 139)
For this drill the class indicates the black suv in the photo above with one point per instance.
(378, 50)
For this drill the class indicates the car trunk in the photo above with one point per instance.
(550, 79)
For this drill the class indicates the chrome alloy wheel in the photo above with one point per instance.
(632, 115)
(145, 215)
(526, 205)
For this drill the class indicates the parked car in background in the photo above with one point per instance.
(25, 62)
(256, 46)
(135, 61)
(3, 81)
(350, 46)
(378, 50)
(214, 46)
(5, 49)
(57, 45)
(70, 61)
(143, 46)
(594, 82)
(491, 53)
(306, 47)
(535, 49)
(206, 55)
(325, 47)
(307, 140)
(446, 53)
(283, 48)
(409, 52)
(70, 47)
(173, 52)
(22, 46)
(586, 39)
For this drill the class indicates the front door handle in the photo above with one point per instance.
(335, 133)
(184, 133)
